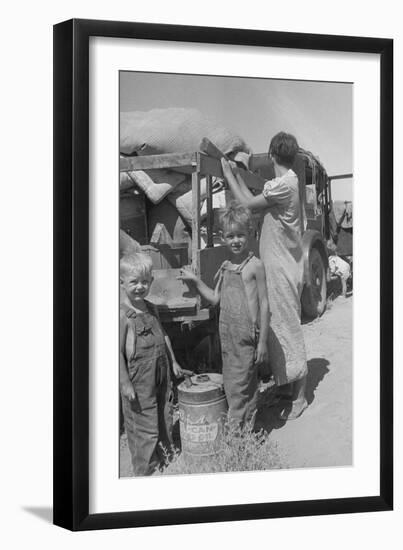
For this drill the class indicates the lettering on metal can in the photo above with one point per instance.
(200, 432)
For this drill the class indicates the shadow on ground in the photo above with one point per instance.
(267, 416)
(44, 513)
(317, 370)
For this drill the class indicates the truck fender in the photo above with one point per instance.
(312, 239)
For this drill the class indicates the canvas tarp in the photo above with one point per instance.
(176, 130)
(172, 130)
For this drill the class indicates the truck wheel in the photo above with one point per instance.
(313, 299)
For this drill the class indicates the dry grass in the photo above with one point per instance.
(239, 450)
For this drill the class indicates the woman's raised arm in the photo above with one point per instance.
(240, 190)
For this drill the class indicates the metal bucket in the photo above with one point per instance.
(202, 411)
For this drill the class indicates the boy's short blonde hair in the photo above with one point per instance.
(138, 262)
(236, 214)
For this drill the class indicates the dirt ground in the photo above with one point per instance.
(322, 436)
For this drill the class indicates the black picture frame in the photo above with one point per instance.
(71, 273)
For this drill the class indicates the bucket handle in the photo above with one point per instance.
(197, 379)
(201, 378)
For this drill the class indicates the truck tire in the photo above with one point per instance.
(313, 299)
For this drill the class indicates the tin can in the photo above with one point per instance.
(202, 411)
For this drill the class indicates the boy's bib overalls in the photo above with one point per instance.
(148, 418)
(239, 338)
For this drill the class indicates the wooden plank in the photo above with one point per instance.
(259, 160)
(196, 222)
(210, 165)
(341, 177)
(210, 262)
(152, 162)
(210, 213)
(207, 147)
(253, 181)
(168, 291)
(203, 314)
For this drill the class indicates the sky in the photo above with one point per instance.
(319, 114)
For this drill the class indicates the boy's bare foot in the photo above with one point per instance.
(293, 409)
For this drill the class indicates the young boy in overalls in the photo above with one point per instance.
(145, 357)
(242, 294)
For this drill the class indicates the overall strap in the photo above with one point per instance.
(129, 311)
(152, 309)
(220, 270)
(131, 316)
(243, 264)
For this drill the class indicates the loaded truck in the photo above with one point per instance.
(191, 323)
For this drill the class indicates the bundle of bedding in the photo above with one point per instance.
(176, 130)
(172, 130)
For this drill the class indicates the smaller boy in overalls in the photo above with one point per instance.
(341, 269)
(338, 267)
(145, 357)
(244, 318)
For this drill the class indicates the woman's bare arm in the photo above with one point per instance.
(241, 182)
(240, 190)
(262, 348)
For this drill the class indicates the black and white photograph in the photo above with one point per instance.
(236, 274)
(198, 351)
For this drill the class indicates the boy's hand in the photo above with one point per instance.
(127, 390)
(187, 275)
(262, 354)
(177, 369)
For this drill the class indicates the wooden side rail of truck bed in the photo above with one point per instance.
(198, 165)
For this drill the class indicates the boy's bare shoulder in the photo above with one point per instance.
(253, 268)
(255, 265)
(122, 314)
(257, 261)
(122, 318)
